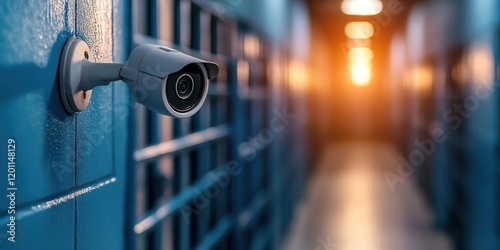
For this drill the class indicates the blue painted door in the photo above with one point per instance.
(66, 187)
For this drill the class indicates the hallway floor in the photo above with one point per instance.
(351, 206)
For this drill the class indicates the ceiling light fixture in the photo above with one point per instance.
(362, 7)
(359, 30)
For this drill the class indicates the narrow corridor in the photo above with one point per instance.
(351, 206)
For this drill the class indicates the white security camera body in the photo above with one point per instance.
(162, 79)
(149, 72)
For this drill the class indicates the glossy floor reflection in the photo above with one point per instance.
(350, 206)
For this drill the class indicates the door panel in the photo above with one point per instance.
(32, 34)
(70, 170)
(31, 112)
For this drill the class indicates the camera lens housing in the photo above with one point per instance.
(186, 88)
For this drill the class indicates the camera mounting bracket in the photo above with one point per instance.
(78, 75)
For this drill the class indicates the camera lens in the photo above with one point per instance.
(184, 86)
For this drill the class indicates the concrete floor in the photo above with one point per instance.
(350, 206)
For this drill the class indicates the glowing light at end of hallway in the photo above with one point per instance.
(357, 43)
(359, 30)
(481, 64)
(251, 46)
(361, 74)
(243, 71)
(362, 7)
(420, 78)
(360, 55)
(298, 75)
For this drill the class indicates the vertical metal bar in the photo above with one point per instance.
(203, 161)
(199, 226)
(213, 34)
(130, 23)
(219, 151)
(195, 27)
(181, 162)
(276, 175)
(182, 178)
(141, 179)
(276, 165)
(285, 172)
(177, 22)
(256, 142)
(238, 127)
(153, 18)
(131, 187)
(496, 52)
(155, 180)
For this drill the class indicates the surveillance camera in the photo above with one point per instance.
(162, 79)
(168, 81)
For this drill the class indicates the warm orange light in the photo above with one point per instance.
(360, 55)
(361, 74)
(362, 7)
(481, 64)
(251, 46)
(298, 75)
(356, 43)
(420, 78)
(243, 76)
(359, 30)
(274, 72)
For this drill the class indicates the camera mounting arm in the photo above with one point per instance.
(99, 74)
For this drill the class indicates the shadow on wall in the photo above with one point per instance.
(31, 95)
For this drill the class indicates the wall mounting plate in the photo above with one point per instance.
(75, 52)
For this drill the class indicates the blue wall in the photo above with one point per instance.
(69, 169)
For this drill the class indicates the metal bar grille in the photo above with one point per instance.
(193, 185)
